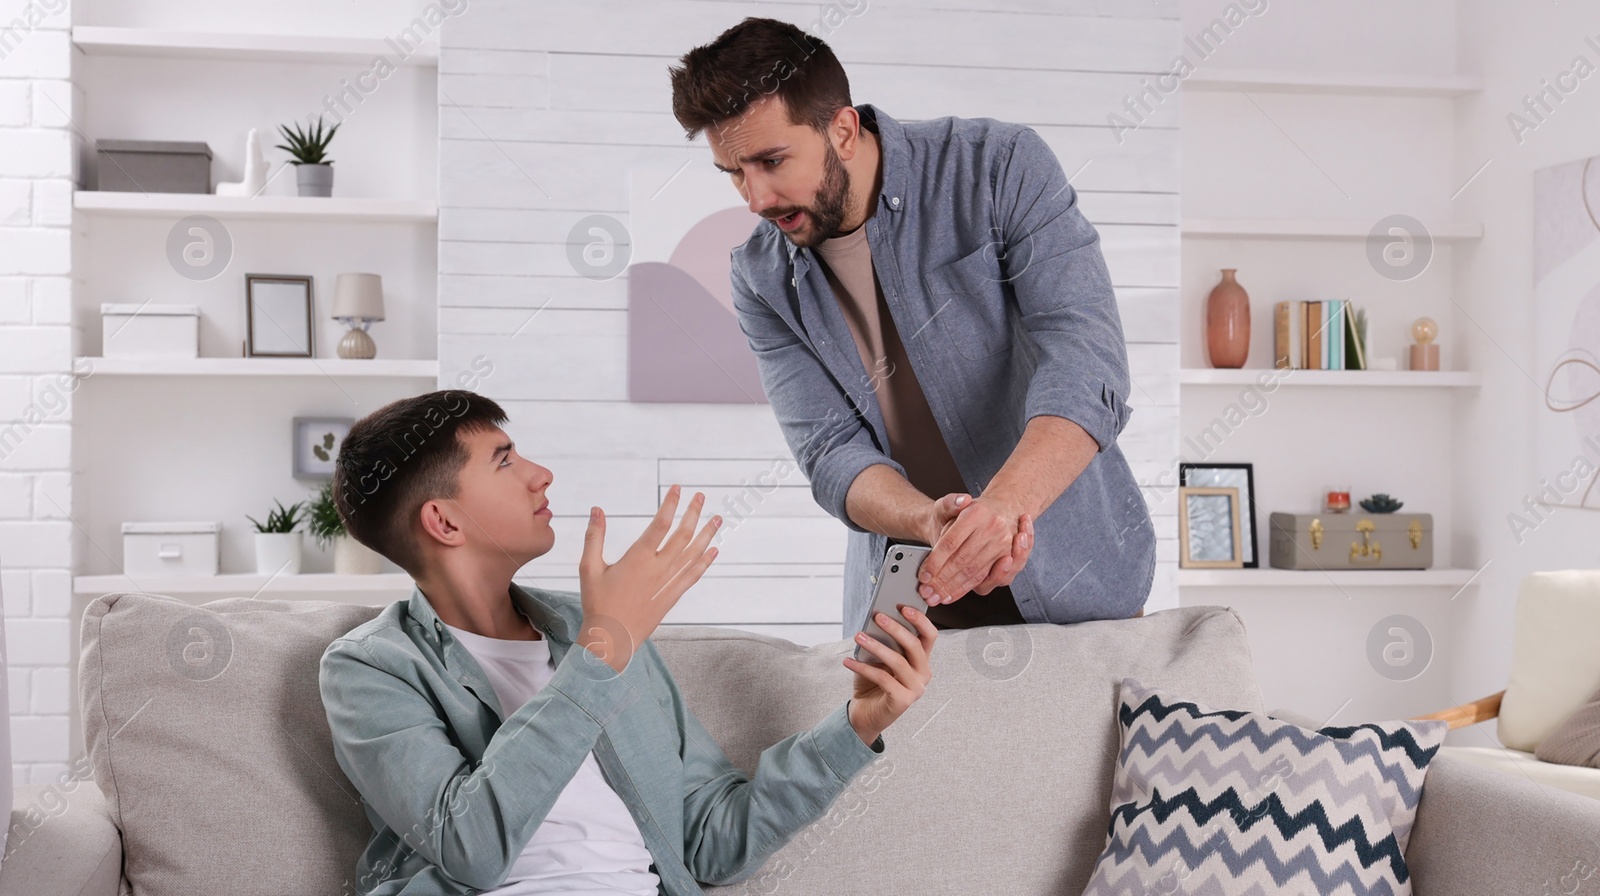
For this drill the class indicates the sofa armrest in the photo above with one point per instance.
(1481, 832)
(61, 843)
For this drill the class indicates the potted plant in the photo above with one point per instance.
(313, 171)
(277, 542)
(350, 557)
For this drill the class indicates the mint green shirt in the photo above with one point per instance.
(454, 788)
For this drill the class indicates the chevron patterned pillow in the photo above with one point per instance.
(1241, 804)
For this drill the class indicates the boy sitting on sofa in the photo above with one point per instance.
(508, 739)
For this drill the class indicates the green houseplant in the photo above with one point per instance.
(278, 541)
(350, 557)
(313, 170)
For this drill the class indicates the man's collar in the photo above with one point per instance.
(540, 612)
(894, 157)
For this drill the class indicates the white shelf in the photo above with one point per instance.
(283, 208)
(97, 40)
(379, 588)
(1340, 578)
(1358, 378)
(374, 367)
(1347, 83)
(1312, 228)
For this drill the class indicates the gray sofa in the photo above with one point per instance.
(209, 768)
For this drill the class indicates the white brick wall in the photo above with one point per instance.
(545, 107)
(37, 171)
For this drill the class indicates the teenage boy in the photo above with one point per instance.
(513, 740)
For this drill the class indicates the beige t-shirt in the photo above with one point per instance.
(915, 441)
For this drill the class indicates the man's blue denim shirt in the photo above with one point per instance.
(996, 282)
(454, 787)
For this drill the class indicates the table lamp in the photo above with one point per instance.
(357, 302)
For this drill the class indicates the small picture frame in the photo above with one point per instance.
(1241, 477)
(278, 316)
(316, 445)
(1208, 528)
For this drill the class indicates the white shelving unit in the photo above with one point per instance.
(257, 208)
(375, 367)
(1350, 83)
(1447, 379)
(96, 40)
(248, 584)
(1200, 386)
(1306, 228)
(251, 80)
(1340, 578)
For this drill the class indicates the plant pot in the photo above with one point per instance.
(278, 552)
(1228, 323)
(352, 558)
(314, 180)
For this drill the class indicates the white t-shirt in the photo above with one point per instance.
(588, 843)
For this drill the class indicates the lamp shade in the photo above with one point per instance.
(358, 296)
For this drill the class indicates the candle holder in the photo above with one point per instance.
(1336, 499)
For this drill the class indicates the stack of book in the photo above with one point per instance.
(1326, 335)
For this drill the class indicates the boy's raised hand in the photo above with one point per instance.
(887, 688)
(623, 602)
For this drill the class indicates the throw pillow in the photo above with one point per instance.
(1577, 740)
(1226, 802)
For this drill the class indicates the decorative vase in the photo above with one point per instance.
(314, 180)
(352, 558)
(278, 552)
(1228, 322)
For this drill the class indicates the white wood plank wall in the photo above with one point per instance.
(544, 106)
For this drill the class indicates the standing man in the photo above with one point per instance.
(933, 320)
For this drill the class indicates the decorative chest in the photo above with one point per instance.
(1351, 540)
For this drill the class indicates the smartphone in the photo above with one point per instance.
(896, 585)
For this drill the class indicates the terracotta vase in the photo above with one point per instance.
(1228, 322)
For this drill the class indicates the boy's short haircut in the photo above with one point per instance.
(398, 458)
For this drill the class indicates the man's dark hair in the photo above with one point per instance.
(398, 458)
(753, 59)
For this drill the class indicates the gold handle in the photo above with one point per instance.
(1366, 547)
(1415, 531)
(1316, 535)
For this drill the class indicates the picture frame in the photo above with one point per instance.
(279, 321)
(316, 445)
(1208, 528)
(1242, 477)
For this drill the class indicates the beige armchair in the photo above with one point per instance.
(1555, 669)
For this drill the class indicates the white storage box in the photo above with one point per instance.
(170, 549)
(134, 330)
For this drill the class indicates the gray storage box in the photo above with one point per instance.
(153, 166)
(1351, 540)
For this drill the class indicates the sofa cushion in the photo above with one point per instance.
(1235, 803)
(1000, 773)
(1554, 666)
(207, 735)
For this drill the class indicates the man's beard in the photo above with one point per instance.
(833, 194)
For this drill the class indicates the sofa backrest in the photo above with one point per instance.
(1555, 664)
(205, 729)
(997, 781)
(207, 735)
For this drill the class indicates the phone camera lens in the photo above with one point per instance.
(899, 556)
(895, 568)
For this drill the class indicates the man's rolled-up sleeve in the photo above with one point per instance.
(1053, 263)
(826, 433)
